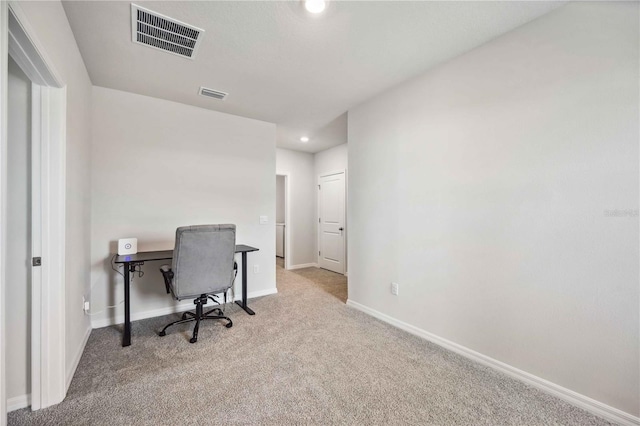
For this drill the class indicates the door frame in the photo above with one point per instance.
(49, 105)
(4, 84)
(318, 224)
(287, 217)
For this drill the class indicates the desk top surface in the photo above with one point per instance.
(148, 256)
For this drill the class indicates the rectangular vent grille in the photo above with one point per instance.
(213, 93)
(160, 32)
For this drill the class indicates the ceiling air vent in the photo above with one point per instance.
(161, 32)
(213, 93)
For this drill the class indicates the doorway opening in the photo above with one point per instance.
(39, 183)
(282, 221)
(18, 256)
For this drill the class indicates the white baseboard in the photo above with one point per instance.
(18, 402)
(181, 307)
(260, 293)
(76, 358)
(135, 316)
(302, 266)
(596, 407)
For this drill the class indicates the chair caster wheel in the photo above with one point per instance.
(193, 340)
(162, 333)
(229, 325)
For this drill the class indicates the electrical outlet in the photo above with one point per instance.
(256, 269)
(394, 288)
(86, 305)
(264, 220)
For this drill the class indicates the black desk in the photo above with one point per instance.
(130, 262)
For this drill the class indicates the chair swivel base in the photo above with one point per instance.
(197, 317)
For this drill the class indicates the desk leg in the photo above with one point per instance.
(243, 304)
(126, 337)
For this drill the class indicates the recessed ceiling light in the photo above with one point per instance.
(315, 6)
(304, 139)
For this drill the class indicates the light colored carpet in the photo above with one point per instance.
(304, 358)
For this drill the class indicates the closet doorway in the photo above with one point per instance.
(37, 182)
(282, 220)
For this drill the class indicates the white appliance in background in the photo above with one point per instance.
(280, 239)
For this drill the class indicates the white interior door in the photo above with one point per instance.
(331, 203)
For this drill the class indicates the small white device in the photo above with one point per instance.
(127, 246)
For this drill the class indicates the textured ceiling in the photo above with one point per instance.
(280, 64)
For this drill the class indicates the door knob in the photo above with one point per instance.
(340, 229)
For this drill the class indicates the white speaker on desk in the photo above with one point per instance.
(127, 246)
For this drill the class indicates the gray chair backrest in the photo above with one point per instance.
(203, 260)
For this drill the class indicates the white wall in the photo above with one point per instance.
(332, 134)
(302, 226)
(158, 165)
(280, 196)
(18, 291)
(331, 160)
(52, 30)
(485, 187)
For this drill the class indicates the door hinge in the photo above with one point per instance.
(319, 220)
(318, 187)
(36, 261)
(318, 253)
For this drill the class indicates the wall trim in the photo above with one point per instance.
(77, 357)
(48, 195)
(302, 266)
(581, 401)
(18, 402)
(181, 307)
(27, 50)
(135, 316)
(259, 293)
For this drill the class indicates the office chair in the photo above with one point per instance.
(203, 267)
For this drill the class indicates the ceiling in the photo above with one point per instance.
(283, 65)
